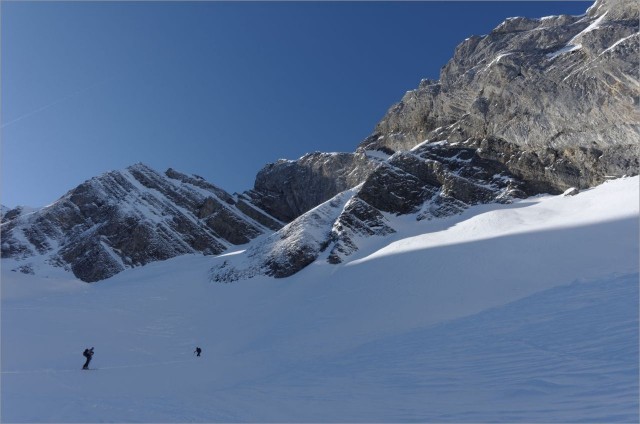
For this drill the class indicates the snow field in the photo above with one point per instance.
(524, 312)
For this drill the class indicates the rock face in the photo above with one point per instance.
(430, 181)
(129, 218)
(559, 93)
(286, 189)
(536, 106)
(288, 250)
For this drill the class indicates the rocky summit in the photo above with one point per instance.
(538, 105)
(555, 99)
(129, 218)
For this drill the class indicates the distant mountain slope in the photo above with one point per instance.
(129, 218)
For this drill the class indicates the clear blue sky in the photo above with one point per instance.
(211, 88)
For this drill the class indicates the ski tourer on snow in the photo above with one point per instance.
(88, 353)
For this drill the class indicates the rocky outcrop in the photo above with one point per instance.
(288, 250)
(560, 91)
(430, 181)
(358, 220)
(288, 188)
(129, 218)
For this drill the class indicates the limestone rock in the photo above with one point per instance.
(129, 218)
(288, 188)
(561, 86)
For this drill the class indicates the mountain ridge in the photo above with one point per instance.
(128, 218)
(535, 106)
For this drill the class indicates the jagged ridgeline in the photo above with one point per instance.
(538, 105)
(129, 218)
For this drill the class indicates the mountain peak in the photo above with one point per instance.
(615, 9)
(124, 219)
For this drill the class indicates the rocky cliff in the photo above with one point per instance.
(555, 99)
(535, 106)
(288, 188)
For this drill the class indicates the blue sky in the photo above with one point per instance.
(217, 89)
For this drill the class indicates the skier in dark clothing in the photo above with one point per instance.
(88, 353)
(198, 351)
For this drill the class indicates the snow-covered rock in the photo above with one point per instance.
(288, 250)
(571, 192)
(129, 218)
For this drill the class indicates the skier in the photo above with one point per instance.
(88, 353)
(198, 351)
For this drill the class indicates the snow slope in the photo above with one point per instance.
(513, 313)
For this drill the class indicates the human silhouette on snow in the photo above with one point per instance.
(88, 353)
(198, 351)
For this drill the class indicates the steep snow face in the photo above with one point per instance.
(128, 218)
(288, 250)
(522, 312)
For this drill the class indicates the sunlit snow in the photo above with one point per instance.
(525, 312)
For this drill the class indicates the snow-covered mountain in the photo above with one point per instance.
(129, 218)
(428, 279)
(538, 105)
(430, 181)
(521, 312)
(515, 113)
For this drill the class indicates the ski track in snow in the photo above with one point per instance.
(506, 313)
